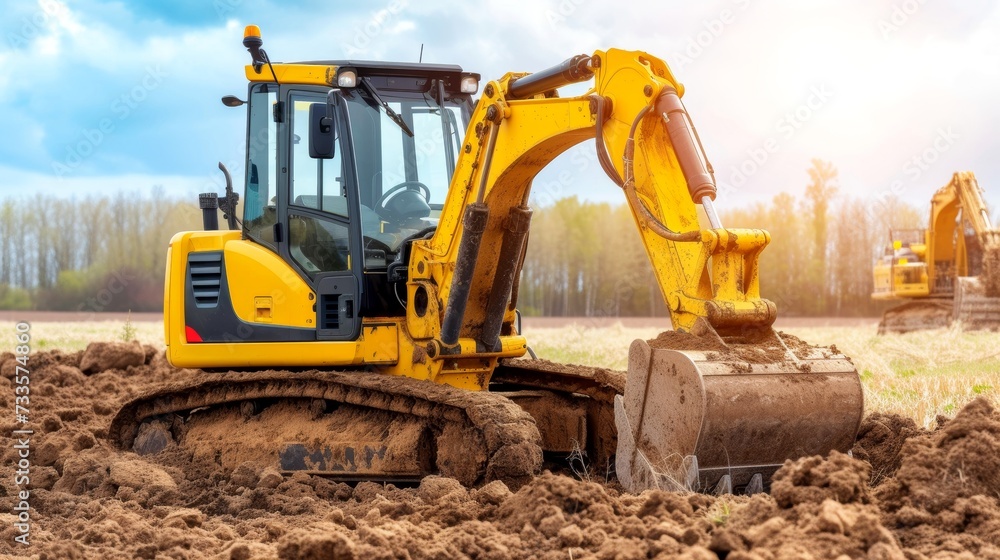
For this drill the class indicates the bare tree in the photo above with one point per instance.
(819, 194)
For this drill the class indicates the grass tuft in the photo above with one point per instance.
(578, 462)
(720, 512)
(128, 330)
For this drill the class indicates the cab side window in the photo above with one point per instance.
(318, 245)
(259, 214)
(318, 233)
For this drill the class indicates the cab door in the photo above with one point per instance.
(322, 235)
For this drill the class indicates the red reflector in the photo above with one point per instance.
(192, 335)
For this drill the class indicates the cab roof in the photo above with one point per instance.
(412, 76)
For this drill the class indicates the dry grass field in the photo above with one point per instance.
(920, 375)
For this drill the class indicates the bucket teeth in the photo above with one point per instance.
(724, 486)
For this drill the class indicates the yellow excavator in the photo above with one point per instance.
(359, 319)
(949, 271)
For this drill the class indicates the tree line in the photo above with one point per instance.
(108, 253)
(97, 253)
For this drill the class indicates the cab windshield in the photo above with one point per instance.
(403, 179)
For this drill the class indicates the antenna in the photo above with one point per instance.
(421, 59)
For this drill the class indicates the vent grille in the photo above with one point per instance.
(329, 317)
(205, 271)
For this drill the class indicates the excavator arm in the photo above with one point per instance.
(648, 147)
(969, 265)
(961, 196)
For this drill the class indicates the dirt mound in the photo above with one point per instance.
(916, 494)
(100, 356)
(820, 508)
(944, 495)
(816, 479)
(676, 340)
(880, 440)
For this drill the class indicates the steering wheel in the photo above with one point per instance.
(380, 203)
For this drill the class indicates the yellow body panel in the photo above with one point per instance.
(378, 344)
(902, 280)
(275, 287)
(180, 245)
(383, 340)
(305, 74)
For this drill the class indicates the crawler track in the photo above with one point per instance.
(917, 315)
(598, 385)
(479, 436)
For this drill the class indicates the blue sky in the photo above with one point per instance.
(898, 94)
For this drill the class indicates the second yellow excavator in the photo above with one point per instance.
(384, 223)
(945, 273)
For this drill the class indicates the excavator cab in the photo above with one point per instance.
(903, 269)
(338, 182)
(378, 162)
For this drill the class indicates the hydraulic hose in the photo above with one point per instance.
(652, 222)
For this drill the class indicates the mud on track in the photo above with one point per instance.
(916, 494)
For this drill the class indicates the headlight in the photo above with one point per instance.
(470, 84)
(347, 78)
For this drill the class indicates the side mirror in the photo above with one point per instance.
(322, 128)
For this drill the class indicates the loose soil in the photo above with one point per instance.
(906, 493)
(763, 346)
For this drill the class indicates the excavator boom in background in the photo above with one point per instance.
(384, 223)
(949, 271)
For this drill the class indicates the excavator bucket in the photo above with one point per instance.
(722, 417)
(974, 307)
